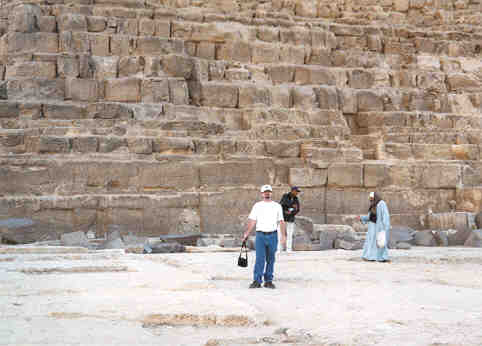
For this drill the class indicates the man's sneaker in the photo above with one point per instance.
(269, 284)
(255, 284)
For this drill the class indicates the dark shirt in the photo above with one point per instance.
(289, 201)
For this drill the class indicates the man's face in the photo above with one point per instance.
(294, 192)
(267, 195)
(371, 199)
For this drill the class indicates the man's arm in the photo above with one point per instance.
(282, 226)
(249, 228)
(297, 209)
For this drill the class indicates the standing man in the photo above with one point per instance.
(291, 207)
(266, 215)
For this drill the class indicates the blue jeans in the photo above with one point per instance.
(266, 245)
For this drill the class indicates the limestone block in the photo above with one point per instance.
(85, 144)
(122, 45)
(63, 111)
(143, 111)
(49, 144)
(474, 239)
(171, 145)
(340, 174)
(82, 89)
(319, 56)
(29, 110)
(295, 35)
(314, 75)
(265, 53)
(24, 18)
(282, 148)
(369, 101)
(140, 145)
(47, 24)
(304, 97)
(105, 67)
(39, 42)
(235, 50)
(23, 181)
(237, 74)
(463, 82)
(431, 80)
(441, 176)
(31, 69)
(328, 97)
(236, 202)
(235, 173)
(348, 100)
(177, 66)
(152, 67)
(293, 54)
(374, 175)
(72, 22)
(127, 27)
(68, 66)
(361, 79)
(9, 109)
(109, 111)
(74, 42)
(176, 176)
(147, 27)
(253, 96)
(267, 33)
(344, 201)
(149, 45)
(99, 44)
(123, 90)
(281, 73)
(308, 177)
(214, 94)
(280, 96)
(425, 238)
(155, 90)
(96, 24)
(36, 89)
(178, 91)
(110, 144)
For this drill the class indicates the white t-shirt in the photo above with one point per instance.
(267, 215)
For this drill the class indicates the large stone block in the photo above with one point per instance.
(281, 73)
(441, 176)
(72, 22)
(178, 91)
(53, 145)
(31, 69)
(109, 111)
(123, 90)
(374, 175)
(9, 109)
(257, 172)
(308, 177)
(23, 180)
(64, 111)
(158, 46)
(179, 66)
(328, 98)
(345, 201)
(253, 96)
(265, 53)
(68, 66)
(32, 89)
(110, 176)
(304, 97)
(307, 75)
(213, 94)
(155, 90)
(345, 175)
(369, 101)
(105, 67)
(175, 176)
(25, 18)
(79, 89)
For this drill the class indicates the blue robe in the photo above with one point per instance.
(370, 250)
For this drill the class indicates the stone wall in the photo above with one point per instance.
(144, 115)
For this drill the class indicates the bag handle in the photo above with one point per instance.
(243, 246)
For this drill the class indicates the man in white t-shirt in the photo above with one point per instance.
(266, 215)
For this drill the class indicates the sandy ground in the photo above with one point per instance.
(425, 296)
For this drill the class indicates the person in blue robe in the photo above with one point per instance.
(378, 220)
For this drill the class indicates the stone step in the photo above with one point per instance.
(443, 152)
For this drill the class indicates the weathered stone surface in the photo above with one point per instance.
(166, 247)
(74, 239)
(401, 234)
(474, 239)
(425, 238)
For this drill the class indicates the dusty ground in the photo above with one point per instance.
(426, 296)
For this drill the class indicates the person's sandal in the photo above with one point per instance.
(269, 284)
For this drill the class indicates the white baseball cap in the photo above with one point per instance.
(266, 188)
(372, 194)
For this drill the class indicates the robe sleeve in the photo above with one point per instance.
(364, 219)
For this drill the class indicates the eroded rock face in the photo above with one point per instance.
(168, 121)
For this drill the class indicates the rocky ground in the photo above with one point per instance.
(69, 296)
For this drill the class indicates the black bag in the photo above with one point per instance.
(243, 261)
